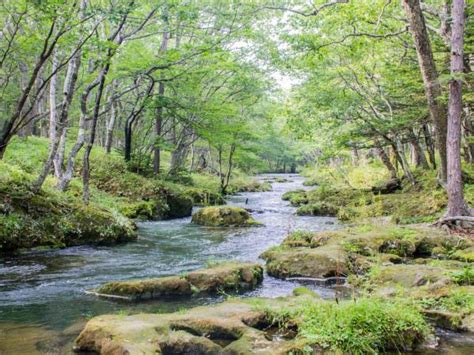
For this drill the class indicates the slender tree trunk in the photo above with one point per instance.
(52, 98)
(92, 133)
(456, 203)
(400, 156)
(60, 125)
(468, 131)
(111, 123)
(159, 113)
(419, 158)
(430, 78)
(158, 129)
(429, 145)
(386, 161)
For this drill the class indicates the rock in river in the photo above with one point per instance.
(221, 277)
(232, 327)
(223, 216)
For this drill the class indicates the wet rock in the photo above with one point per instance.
(179, 205)
(225, 277)
(223, 216)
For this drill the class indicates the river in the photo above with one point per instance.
(43, 305)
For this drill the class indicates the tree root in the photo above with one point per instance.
(458, 223)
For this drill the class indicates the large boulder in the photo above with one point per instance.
(223, 216)
(221, 277)
(232, 327)
(179, 205)
(328, 261)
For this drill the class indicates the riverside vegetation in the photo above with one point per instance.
(121, 112)
(55, 219)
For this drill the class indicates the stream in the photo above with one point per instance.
(43, 306)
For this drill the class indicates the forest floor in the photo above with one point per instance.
(53, 218)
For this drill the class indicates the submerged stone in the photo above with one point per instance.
(223, 216)
(222, 277)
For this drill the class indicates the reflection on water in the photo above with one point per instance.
(42, 300)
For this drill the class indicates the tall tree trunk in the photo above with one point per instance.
(430, 78)
(456, 203)
(159, 113)
(92, 133)
(60, 125)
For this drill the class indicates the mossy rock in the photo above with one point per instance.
(223, 216)
(221, 277)
(318, 209)
(326, 261)
(47, 219)
(231, 327)
(301, 290)
(258, 326)
(410, 275)
(296, 198)
(179, 205)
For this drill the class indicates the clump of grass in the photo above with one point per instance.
(361, 327)
(464, 276)
(458, 300)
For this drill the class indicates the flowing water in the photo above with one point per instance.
(43, 306)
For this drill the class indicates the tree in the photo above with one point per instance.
(456, 204)
(430, 78)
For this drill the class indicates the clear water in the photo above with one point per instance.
(43, 306)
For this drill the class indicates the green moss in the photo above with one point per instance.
(466, 254)
(223, 217)
(318, 209)
(300, 291)
(296, 198)
(55, 219)
(219, 277)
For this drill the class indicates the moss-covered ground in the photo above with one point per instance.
(353, 193)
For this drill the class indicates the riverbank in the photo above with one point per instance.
(43, 304)
(119, 197)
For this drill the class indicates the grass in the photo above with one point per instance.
(365, 326)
